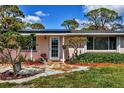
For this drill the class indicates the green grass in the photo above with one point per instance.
(105, 77)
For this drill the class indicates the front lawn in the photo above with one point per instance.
(112, 76)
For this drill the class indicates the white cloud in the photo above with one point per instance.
(81, 22)
(31, 19)
(41, 13)
(118, 8)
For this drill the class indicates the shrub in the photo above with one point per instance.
(101, 57)
(73, 60)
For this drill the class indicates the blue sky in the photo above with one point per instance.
(51, 16)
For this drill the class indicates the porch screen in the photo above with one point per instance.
(101, 43)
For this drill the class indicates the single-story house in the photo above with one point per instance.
(50, 42)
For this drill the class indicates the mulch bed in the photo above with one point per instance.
(98, 64)
(7, 75)
(32, 63)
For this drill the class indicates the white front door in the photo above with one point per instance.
(54, 48)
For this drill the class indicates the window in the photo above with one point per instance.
(90, 43)
(112, 44)
(24, 47)
(101, 43)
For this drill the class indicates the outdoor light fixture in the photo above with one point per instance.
(64, 46)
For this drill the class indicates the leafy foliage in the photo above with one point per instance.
(11, 17)
(103, 19)
(101, 57)
(37, 26)
(11, 43)
(75, 43)
(70, 24)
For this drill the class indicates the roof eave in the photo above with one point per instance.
(66, 34)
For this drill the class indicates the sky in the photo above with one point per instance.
(51, 16)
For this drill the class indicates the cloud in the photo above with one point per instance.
(31, 19)
(81, 22)
(118, 8)
(41, 13)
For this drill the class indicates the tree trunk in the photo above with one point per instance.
(16, 68)
(75, 52)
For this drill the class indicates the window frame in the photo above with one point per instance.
(108, 45)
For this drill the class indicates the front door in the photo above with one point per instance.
(54, 48)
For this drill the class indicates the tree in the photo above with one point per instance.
(37, 26)
(103, 19)
(70, 24)
(10, 40)
(10, 17)
(11, 46)
(75, 43)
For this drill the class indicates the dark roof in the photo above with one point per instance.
(67, 31)
(95, 31)
(45, 31)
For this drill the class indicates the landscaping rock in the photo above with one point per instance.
(31, 73)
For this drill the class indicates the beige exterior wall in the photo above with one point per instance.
(121, 44)
(43, 46)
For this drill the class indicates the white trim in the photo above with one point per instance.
(118, 43)
(85, 48)
(61, 34)
(63, 52)
(102, 51)
(55, 58)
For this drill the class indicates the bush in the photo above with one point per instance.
(73, 60)
(101, 57)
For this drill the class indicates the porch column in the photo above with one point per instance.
(63, 54)
(118, 44)
(31, 54)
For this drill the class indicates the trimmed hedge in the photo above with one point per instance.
(100, 58)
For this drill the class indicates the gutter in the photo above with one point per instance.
(68, 34)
